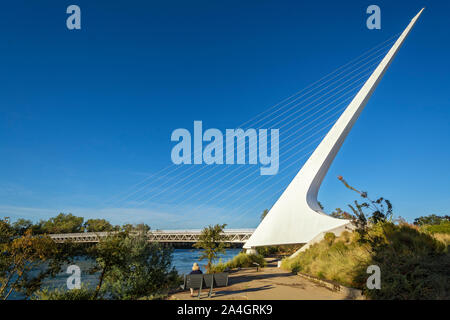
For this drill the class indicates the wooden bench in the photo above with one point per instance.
(200, 281)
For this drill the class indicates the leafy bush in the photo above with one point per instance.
(128, 265)
(329, 237)
(25, 261)
(242, 260)
(267, 250)
(84, 293)
(131, 267)
(278, 250)
(413, 264)
(219, 267)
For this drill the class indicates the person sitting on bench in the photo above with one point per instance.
(195, 270)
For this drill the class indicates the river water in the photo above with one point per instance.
(182, 261)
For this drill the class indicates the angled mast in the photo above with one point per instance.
(296, 216)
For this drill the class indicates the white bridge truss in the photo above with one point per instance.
(162, 236)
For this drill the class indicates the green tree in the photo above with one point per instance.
(211, 240)
(6, 231)
(131, 267)
(98, 225)
(140, 228)
(431, 219)
(146, 272)
(108, 253)
(22, 225)
(63, 223)
(21, 256)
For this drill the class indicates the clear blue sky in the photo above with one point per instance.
(85, 115)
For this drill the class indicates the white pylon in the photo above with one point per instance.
(296, 217)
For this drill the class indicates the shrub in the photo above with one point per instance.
(345, 237)
(329, 238)
(413, 264)
(84, 293)
(218, 267)
(25, 261)
(267, 250)
(242, 260)
(278, 250)
(131, 267)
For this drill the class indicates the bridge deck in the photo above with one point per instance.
(163, 236)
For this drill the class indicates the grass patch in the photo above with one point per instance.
(242, 260)
(442, 228)
(338, 259)
(443, 237)
(414, 264)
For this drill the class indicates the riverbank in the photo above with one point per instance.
(182, 260)
(267, 284)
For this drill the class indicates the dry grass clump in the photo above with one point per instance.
(443, 237)
(414, 264)
(335, 258)
(242, 260)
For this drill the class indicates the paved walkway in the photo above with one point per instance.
(267, 284)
